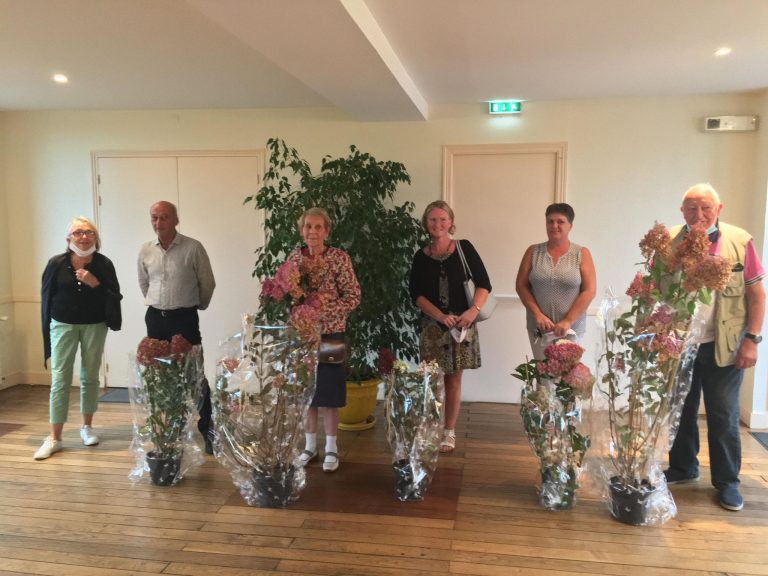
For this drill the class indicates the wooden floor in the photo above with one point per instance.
(78, 514)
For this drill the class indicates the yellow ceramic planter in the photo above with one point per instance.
(361, 402)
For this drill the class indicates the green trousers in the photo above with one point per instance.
(65, 339)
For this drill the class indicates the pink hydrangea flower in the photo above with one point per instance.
(180, 346)
(580, 379)
(288, 279)
(561, 357)
(641, 290)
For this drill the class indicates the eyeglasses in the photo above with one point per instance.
(81, 233)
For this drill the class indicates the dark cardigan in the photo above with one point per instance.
(425, 277)
(101, 267)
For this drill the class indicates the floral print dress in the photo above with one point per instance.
(340, 294)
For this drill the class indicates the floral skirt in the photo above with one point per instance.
(436, 343)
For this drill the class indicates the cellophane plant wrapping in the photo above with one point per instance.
(166, 384)
(645, 370)
(414, 401)
(551, 409)
(265, 383)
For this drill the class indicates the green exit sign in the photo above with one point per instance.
(504, 107)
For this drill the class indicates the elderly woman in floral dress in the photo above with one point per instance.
(340, 294)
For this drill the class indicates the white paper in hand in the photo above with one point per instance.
(549, 337)
(459, 335)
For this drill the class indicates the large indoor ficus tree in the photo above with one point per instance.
(379, 235)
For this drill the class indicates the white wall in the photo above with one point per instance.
(6, 300)
(629, 161)
(754, 399)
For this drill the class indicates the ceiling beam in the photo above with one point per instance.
(334, 47)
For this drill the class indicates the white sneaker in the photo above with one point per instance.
(49, 447)
(89, 438)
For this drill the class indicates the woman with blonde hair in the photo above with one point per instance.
(448, 328)
(80, 299)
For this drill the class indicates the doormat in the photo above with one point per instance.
(358, 488)
(761, 437)
(119, 395)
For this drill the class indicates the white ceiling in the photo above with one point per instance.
(373, 59)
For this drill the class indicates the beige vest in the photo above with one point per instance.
(730, 315)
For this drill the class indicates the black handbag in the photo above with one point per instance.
(332, 352)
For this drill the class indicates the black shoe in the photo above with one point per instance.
(676, 477)
(208, 437)
(730, 499)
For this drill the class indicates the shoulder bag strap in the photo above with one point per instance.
(467, 272)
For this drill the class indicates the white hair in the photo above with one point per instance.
(83, 222)
(703, 188)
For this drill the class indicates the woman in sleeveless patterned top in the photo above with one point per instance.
(556, 282)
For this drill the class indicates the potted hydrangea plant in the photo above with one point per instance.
(645, 369)
(414, 422)
(168, 378)
(265, 383)
(550, 407)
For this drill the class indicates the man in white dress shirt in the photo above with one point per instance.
(176, 279)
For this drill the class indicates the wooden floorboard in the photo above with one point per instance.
(77, 513)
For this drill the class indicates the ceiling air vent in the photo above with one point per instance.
(730, 123)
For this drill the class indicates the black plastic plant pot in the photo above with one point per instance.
(162, 469)
(629, 504)
(405, 488)
(274, 489)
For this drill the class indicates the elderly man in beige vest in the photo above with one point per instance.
(727, 345)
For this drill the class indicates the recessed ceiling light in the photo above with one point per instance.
(723, 51)
(60, 78)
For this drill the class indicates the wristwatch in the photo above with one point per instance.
(756, 338)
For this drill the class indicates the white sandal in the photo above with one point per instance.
(306, 457)
(331, 462)
(448, 443)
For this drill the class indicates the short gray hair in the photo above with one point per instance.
(703, 188)
(80, 222)
(315, 211)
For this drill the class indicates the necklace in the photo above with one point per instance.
(435, 252)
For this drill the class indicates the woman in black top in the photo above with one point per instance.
(448, 329)
(80, 300)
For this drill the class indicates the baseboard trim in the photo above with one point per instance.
(758, 420)
(34, 378)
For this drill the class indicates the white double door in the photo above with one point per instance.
(209, 190)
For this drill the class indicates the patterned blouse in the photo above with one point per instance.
(557, 286)
(339, 289)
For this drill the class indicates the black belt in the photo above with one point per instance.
(174, 311)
